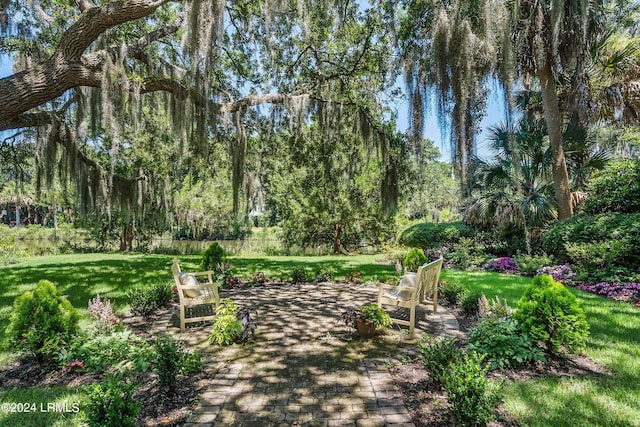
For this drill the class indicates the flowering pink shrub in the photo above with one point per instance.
(559, 273)
(504, 264)
(103, 313)
(626, 292)
(76, 364)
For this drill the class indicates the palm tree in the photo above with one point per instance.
(551, 38)
(515, 187)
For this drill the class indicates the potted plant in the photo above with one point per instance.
(367, 319)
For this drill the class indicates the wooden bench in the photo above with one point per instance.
(414, 289)
(193, 293)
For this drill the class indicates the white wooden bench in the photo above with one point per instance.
(192, 293)
(413, 289)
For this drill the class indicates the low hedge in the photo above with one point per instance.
(432, 235)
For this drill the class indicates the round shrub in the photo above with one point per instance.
(213, 257)
(42, 321)
(431, 235)
(550, 314)
(469, 302)
(438, 354)
(111, 403)
(450, 292)
(414, 259)
(615, 189)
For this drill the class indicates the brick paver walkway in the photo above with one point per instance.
(302, 368)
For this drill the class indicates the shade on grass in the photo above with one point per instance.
(607, 400)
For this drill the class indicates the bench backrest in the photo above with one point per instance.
(427, 279)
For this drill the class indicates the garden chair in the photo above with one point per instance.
(413, 289)
(192, 292)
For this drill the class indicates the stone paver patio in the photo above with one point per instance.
(302, 367)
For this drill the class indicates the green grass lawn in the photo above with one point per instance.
(607, 400)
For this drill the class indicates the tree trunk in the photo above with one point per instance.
(554, 128)
(337, 238)
(126, 242)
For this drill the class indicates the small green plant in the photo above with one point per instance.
(110, 403)
(414, 259)
(325, 274)
(368, 314)
(298, 275)
(42, 321)
(213, 257)
(227, 328)
(145, 300)
(469, 302)
(171, 359)
(468, 392)
(550, 314)
(450, 292)
(258, 279)
(438, 354)
(503, 343)
(529, 265)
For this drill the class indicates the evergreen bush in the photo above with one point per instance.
(146, 299)
(414, 259)
(432, 235)
(437, 355)
(213, 257)
(42, 321)
(550, 314)
(110, 403)
(614, 189)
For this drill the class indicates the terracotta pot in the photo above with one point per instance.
(366, 330)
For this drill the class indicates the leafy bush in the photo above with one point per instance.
(227, 328)
(503, 343)
(529, 265)
(110, 403)
(298, 275)
(466, 254)
(42, 321)
(431, 235)
(171, 359)
(438, 354)
(146, 300)
(98, 351)
(604, 247)
(469, 302)
(257, 279)
(550, 314)
(506, 265)
(468, 392)
(325, 274)
(450, 293)
(213, 257)
(614, 189)
(414, 259)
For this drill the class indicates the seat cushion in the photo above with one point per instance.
(408, 279)
(398, 295)
(189, 280)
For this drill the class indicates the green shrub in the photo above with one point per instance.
(437, 355)
(42, 321)
(110, 403)
(145, 300)
(469, 302)
(171, 359)
(414, 259)
(467, 253)
(503, 343)
(529, 265)
(98, 351)
(450, 293)
(431, 235)
(472, 400)
(550, 314)
(614, 189)
(604, 247)
(227, 328)
(325, 274)
(213, 257)
(298, 275)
